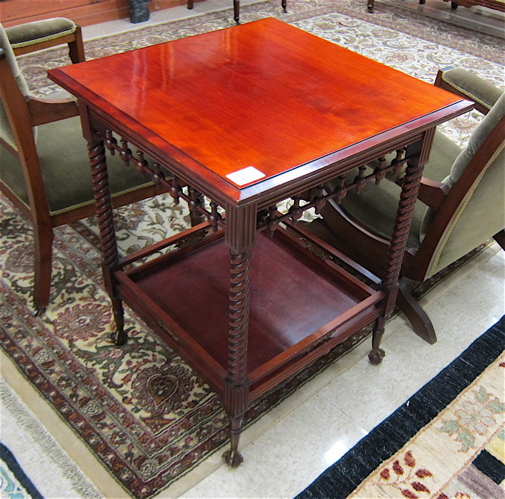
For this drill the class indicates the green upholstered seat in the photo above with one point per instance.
(375, 207)
(61, 148)
(35, 32)
(479, 220)
(65, 169)
(40, 35)
(473, 87)
(44, 167)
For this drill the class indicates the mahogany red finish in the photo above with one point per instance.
(246, 298)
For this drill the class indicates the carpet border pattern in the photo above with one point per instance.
(343, 478)
(15, 483)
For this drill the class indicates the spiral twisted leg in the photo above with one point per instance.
(396, 250)
(236, 396)
(104, 212)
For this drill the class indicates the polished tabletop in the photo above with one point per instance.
(246, 104)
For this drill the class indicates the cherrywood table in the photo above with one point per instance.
(248, 117)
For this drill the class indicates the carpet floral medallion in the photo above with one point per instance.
(139, 408)
(473, 426)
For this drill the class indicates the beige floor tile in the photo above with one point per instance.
(284, 459)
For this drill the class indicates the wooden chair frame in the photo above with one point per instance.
(370, 249)
(74, 41)
(24, 113)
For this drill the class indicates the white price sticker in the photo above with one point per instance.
(245, 176)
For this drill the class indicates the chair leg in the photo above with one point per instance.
(500, 239)
(76, 48)
(418, 318)
(236, 11)
(43, 266)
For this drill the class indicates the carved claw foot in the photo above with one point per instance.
(233, 458)
(375, 357)
(120, 338)
(39, 311)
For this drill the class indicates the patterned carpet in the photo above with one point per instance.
(446, 441)
(13, 481)
(139, 408)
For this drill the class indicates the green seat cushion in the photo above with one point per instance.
(471, 85)
(38, 31)
(63, 156)
(375, 207)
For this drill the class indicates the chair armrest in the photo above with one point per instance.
(39, 35)
(48, 110)
(432, 193)
(470, 86)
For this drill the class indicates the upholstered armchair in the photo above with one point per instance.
(461, 202)
(44, 169)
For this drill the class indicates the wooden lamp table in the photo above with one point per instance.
(248, 117)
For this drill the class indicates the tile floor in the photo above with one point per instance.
(292, 444)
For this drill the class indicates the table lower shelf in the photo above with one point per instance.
(296, 301)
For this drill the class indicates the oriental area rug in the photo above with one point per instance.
(13, 481)
(446, 441)
(139, 408)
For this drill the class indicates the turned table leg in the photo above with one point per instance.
(236, 398)
(377, 354)
(410, 187)
(239, 233)
(105, 218)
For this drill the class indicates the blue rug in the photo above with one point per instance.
(14, 484)
(384, 441)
